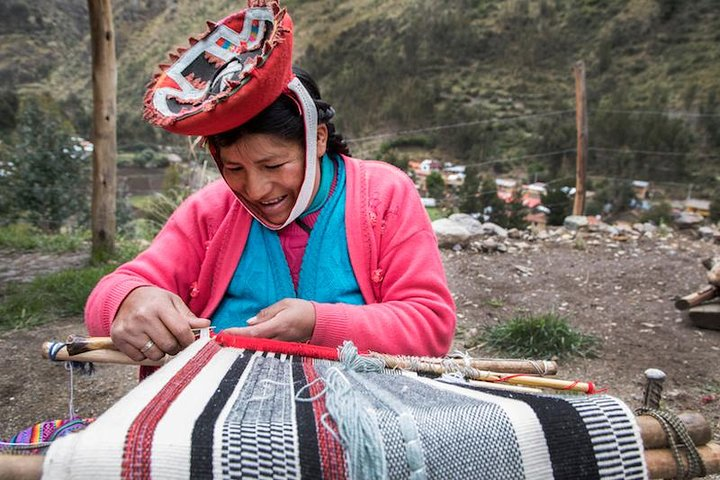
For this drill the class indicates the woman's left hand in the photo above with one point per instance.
(290, 320)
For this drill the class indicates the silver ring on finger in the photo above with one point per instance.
(148, 345)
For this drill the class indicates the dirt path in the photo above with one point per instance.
(621, 293)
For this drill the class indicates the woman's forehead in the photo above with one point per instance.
(257, 147)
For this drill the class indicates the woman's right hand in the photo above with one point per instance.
(152, 322)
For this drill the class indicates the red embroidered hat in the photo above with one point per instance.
(227, 75)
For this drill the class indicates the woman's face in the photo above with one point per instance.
(266, 172)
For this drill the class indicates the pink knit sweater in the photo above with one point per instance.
(393, 251)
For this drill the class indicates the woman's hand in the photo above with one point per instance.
(290, 319)
(152, 322)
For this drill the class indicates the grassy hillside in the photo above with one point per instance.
(424, 65)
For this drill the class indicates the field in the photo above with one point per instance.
(620, 292)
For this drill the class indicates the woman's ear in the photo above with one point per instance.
(322, 139)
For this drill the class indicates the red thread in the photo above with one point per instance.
(332, 455)
(572, 385)
(266, 345)
(137, 450)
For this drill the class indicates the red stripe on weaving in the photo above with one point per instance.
(266, 345)
(138, 441)
(332, 455)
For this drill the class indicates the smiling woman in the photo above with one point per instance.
(298, 241)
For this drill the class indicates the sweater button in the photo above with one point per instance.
(377, 275)
(194, 290)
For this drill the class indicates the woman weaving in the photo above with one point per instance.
(298, 241)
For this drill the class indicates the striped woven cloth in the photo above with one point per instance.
(223, 412)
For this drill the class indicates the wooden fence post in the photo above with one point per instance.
(104, 138)
(581, 124)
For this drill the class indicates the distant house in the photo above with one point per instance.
(641, 189)
(699, 207)
(506, 189)
(428, 166)
(533, 193)
(537, 220)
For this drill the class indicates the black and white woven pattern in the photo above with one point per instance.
(271, 416)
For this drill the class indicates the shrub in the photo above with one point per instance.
(435, 185)
(658, 214)
(46, 176)
(540, 337)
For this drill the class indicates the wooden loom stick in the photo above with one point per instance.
(504, 386)
(112, 356)
(441, 365)
(100, 356)
(659, 461)
(540, 382)
(661, 464)
(696, 298)
(20, 467)
(77, 344)
(653, 435)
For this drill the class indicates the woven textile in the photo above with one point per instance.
(222, 412)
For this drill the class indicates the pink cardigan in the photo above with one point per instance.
(393, 251)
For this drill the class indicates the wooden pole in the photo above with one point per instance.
(581, 124)
(104, 79)
(696, 298)
(661, 464)
(653, 435)
(21, 467)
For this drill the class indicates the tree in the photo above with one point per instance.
(559, 203)
(45, 173)
(9, 103)
(493, 206)
(515, 214)
(469, 192)
(435, 185)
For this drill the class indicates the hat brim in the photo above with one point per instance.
(228, 75)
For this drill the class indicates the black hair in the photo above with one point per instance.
(282, 118)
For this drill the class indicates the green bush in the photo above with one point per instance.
(660, 213)
(559, 203)
(435, 185)
(539, 337)
(148, 158)
(470, 191)
(45, 174)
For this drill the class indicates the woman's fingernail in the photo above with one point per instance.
(252, 320)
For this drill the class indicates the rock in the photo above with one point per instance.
(471, 224)
(575, 222)
(688, 220)
(543, 235)
(489, 245)
(490, 228)
(515, 234)
(450, 233)
(502, 248)
(649, 227)
(707, 233)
